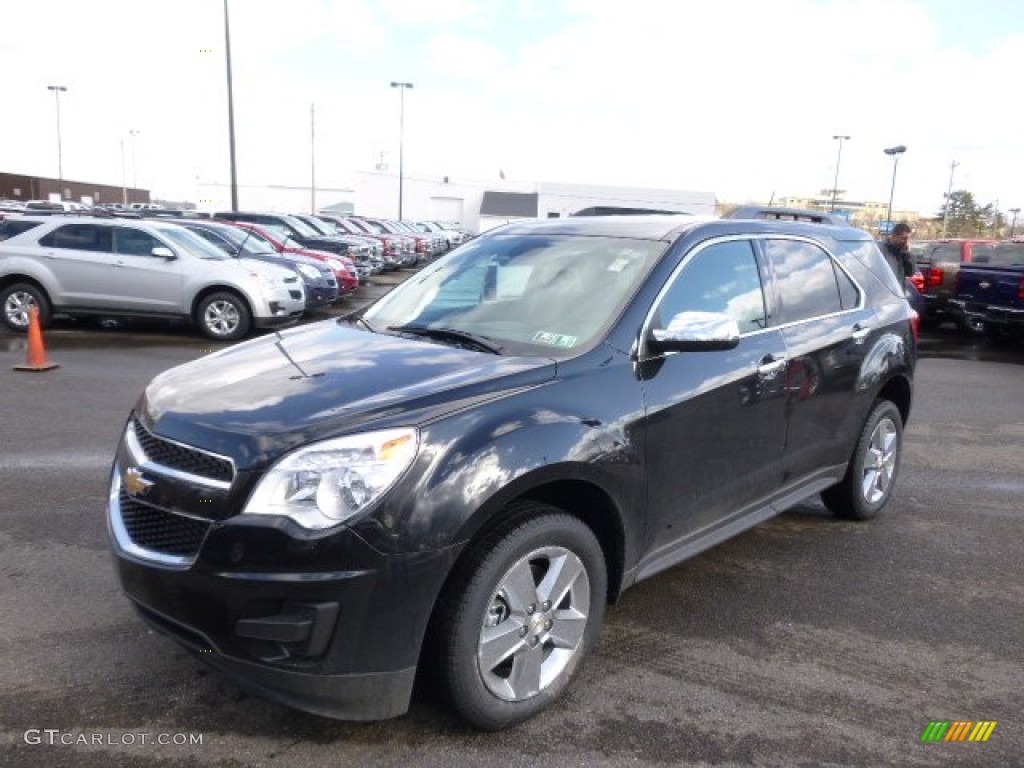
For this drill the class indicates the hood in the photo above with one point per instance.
(257, 400)
(267, 268)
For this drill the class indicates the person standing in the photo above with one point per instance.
(896, 249)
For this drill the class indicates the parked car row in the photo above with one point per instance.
(223, 278)
(989, 293)
(975, 283)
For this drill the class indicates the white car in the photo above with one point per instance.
(80, 265)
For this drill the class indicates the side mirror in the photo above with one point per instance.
(163, 252)
(696, 332)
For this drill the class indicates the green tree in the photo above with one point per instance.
(964, 217)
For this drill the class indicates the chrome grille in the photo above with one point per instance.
(161, 531)
(181, 457)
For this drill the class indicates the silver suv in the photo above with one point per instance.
(79, 265)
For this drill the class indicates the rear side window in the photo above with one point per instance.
(79, 237)
(805, 280)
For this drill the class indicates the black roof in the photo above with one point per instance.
(670, 227)
(787, 214)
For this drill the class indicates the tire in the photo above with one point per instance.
(224, 317)
(504, 651)
(997, 334)
(15, 302)
(972, 326)
(873, 468)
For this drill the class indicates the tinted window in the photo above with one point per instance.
(947, 252)
(849, 296)
(805, 280)
(1007, 254)
(79, 237)
(213, 239)
(134, 242)
(720, 278)
(981, 252)
(11, 228)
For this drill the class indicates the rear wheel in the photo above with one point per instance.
(224, 317)
(17, 301)
(871, 473)
(525, 609)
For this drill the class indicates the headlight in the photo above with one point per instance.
(326, 483)
(308, 271)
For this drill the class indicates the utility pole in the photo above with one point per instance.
(839, 156)
(231, 111)
(949, 193)
(312, 159)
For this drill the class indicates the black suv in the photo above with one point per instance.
(468, 472)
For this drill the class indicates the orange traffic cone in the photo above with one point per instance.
(36, 359)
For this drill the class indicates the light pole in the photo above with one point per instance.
(231, 111)
(312, 159)
(401, 140)
(895, 152)
(839, 156)
(57, 91)
(949, 195)
(135, 166)
(124, 178)
(1013, 222)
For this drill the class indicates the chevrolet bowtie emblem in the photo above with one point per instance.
(135, 483)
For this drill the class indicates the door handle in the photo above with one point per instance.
(769, 366)
(860, 333)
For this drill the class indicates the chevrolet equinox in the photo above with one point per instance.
(462, 476)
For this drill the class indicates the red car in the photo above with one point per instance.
(344, 268)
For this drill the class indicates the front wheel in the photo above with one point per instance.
(871, 473)
(224, 317)
(17, 301)
(523, 612)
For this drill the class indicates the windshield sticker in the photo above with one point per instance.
(618, 265)
(554, 339)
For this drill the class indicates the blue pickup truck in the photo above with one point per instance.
(989, 292)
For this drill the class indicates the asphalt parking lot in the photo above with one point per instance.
(806, 641)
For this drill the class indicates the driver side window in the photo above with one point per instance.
(724, 278)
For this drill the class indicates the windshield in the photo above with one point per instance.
(302, 227)
(321, 227)
(281, 232)
(246, 240)
(548, 296)
(373, 227)
(193, 243)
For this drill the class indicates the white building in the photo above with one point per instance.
(474, 204)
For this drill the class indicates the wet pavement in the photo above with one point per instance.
(807, 641)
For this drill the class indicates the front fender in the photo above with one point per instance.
(474, 463)
(18, 268)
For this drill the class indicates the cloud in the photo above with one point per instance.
(736, 97)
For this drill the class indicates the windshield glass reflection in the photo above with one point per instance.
(532, 295)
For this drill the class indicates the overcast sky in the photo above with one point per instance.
(739, 98)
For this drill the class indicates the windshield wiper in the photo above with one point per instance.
(450, 334)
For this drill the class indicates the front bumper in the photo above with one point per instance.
(323, 623)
